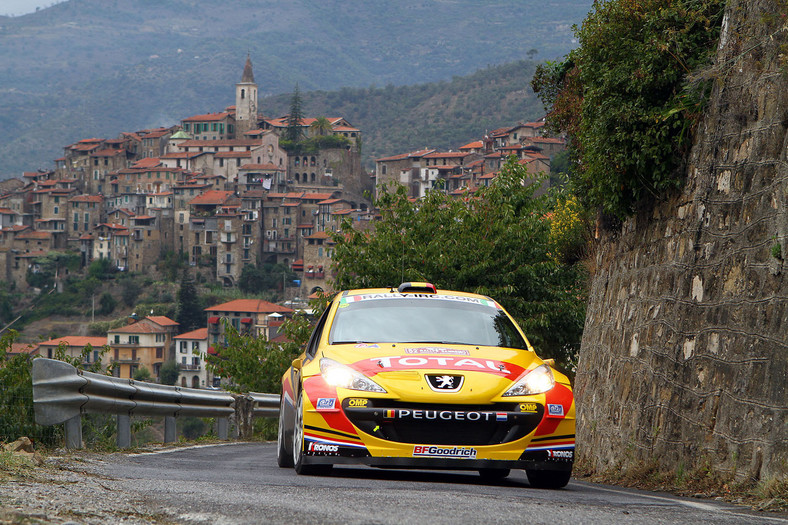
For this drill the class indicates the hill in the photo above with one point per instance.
(443, 115)
(97, 67)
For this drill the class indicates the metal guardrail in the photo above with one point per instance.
(62, 393)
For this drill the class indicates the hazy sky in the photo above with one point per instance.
(21, 7)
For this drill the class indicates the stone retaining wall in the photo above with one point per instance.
(684, 356)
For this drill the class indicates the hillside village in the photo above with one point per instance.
(226, 190)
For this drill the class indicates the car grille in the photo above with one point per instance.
(442, 424)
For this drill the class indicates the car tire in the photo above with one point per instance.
(493, 474)
(284, 457)
(299, 464)
(548, 479)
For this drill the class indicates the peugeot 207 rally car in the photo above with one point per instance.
(424, 378)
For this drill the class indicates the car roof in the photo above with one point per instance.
(393, 291)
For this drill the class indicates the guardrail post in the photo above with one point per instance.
(222, 426)
(73, 429)
(124, 431)
(169, 429)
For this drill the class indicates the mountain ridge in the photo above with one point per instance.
(91, 67)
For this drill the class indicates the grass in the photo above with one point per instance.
(769, 495)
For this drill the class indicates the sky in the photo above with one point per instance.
(22, 7)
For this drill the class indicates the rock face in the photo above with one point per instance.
(684, 358)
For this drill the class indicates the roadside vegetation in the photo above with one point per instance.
(630, 97)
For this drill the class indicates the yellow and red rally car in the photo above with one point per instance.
(416, 377)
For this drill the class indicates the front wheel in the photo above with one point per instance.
(298, 444)
(548, 479)
(284, 457)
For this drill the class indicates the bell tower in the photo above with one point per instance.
(245, 101)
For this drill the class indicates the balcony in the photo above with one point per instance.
(189, 368)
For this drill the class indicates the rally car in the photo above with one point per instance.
(415, 377)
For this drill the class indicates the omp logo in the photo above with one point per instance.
(555, 410)
(326, 403)
(322, 447)
(444, 452)
(354, 402)
(561, 454)
(528, 407)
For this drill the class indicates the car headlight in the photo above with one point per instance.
(537, 381)
(339, 375)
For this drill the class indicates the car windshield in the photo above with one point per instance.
(447, 319)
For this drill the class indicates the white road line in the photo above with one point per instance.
(693, 504)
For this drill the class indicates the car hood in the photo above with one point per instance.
(401, 369)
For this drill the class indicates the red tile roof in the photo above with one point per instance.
(209, 117)
(76, 340)
(200, 333)
(249, 305)
(215, 197)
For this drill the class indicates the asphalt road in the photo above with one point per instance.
(240, 483)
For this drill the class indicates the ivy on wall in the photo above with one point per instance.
(629, 97)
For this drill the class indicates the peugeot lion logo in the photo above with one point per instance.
(445, 382)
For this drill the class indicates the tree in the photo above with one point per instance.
(169, 372)
(107, 304)
(101, 269)
(141, 374)
(45, 270)
(321, 126)
(254, 364)
(257, 279)
(496, 243)
(294, 132)
(190, 314)
(629, 96)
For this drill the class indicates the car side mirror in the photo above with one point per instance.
(297, 364)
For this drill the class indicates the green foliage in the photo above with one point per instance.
(101, 269)
(130, 290)
(172, 264)
(142, 374)
(777, 250)
(266, 277)
(254, 364)
(294, 132)
(190, 314)
(192, 427)
(107, 304)
(16, 391)
(16, 397)
(626, 96)
(496, 244)
(168, 374)
(441, 115)
(321, 126)
(47, 269)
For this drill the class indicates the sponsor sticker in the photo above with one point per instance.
(437, 350)
(445, 415)
(433, 297)
(433, 451)
(450, 362)
(560, 454)
(326, 403)
(355, 402)
(529, 407)
(322, 447)
(367, 345)
(555, 410)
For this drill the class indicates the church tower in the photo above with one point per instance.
(245, 101)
